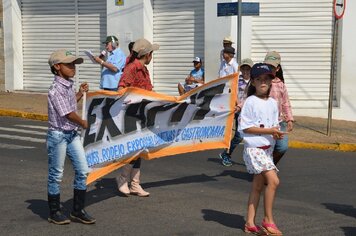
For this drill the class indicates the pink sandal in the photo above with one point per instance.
(256, 230)
(265, 226)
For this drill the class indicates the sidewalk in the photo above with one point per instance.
(308, 132)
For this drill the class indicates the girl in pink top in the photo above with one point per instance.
(280, 94)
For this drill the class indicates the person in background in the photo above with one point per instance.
(227, 42)
(136, 75)
(229, 65)
(111, 68)
(194, 79)
(130, 46)
(63, 138)
(280, 94)
(260, 129)
(244, 79)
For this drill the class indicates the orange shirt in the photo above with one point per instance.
(136, 75)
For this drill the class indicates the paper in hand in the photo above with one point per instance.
(90, 55)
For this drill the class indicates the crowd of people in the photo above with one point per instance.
(263, 118)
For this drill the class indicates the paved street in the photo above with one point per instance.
(191, 194)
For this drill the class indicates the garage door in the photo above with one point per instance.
(48, 25)
(302, 32)
(179, 30)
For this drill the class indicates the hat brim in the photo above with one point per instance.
(272, 63)
(75, 60)
(245, 64)
(228, 41)
(154, 47)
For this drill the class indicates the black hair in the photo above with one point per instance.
(54, 71)
(134, 55)
(279, 73)
(131, 46)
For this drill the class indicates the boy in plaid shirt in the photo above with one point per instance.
(63, 138)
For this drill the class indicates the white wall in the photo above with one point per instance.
(130, 22)
(13, 45)
(216, 28)
(347, 90)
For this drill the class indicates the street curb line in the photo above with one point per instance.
(324, 146)
(292, 144)
(27, 115)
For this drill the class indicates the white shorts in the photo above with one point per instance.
(258, 160)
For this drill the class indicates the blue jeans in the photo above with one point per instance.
(236, 139)
(60, 144)
(282, 144)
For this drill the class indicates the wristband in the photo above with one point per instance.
(102, 62)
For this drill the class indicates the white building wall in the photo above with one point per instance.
(129, 22)
(13, 45)
(347, 98)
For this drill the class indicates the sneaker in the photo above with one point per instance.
(226, 159)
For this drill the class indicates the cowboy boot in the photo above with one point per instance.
(78, 212)
(136, 188)
(123, 179)
(55, 214)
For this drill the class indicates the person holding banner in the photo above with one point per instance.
(136, 75)
(63, 138)
(260, 128)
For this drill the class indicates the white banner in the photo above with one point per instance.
(136, 123)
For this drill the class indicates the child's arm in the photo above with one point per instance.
(84, 87)
(274, 131)
(72, 116)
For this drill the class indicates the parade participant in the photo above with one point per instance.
(280, 94)
(229, 65)
(259, 127)
(111, 68)
(63, 138)
(130, 46)
(227, 42)
(136, 75)
(194, 79)
(244, 78)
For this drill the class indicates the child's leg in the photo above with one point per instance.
(75, 152)
(272, 181)
(56, 149)
(254, 198)
(180, 89)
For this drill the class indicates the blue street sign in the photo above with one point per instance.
(231, 9)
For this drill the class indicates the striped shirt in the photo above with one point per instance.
(61, 101)
(280, 94)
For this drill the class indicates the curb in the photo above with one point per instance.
(292, 144)
(26, 115)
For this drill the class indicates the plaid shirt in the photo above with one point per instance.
(61, 101)
(136, 75)
(280, 94)
(242, 85)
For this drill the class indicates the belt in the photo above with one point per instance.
(265, 147)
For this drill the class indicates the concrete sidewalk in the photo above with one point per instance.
(308, 132)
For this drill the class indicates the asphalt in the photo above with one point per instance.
(308, 133)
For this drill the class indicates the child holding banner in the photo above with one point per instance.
(259, 126)
(63, 138)
(136, 75)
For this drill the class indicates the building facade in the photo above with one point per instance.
(302, 31)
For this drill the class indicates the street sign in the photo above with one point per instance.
(339, 8)
(231, 9)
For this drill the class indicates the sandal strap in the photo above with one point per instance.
(267, 225)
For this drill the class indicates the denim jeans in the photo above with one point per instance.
(60, 144)
(282, 144)
(237, 137)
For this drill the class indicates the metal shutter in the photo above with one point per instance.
(48, 25)
(179, 30)
(302, 32)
